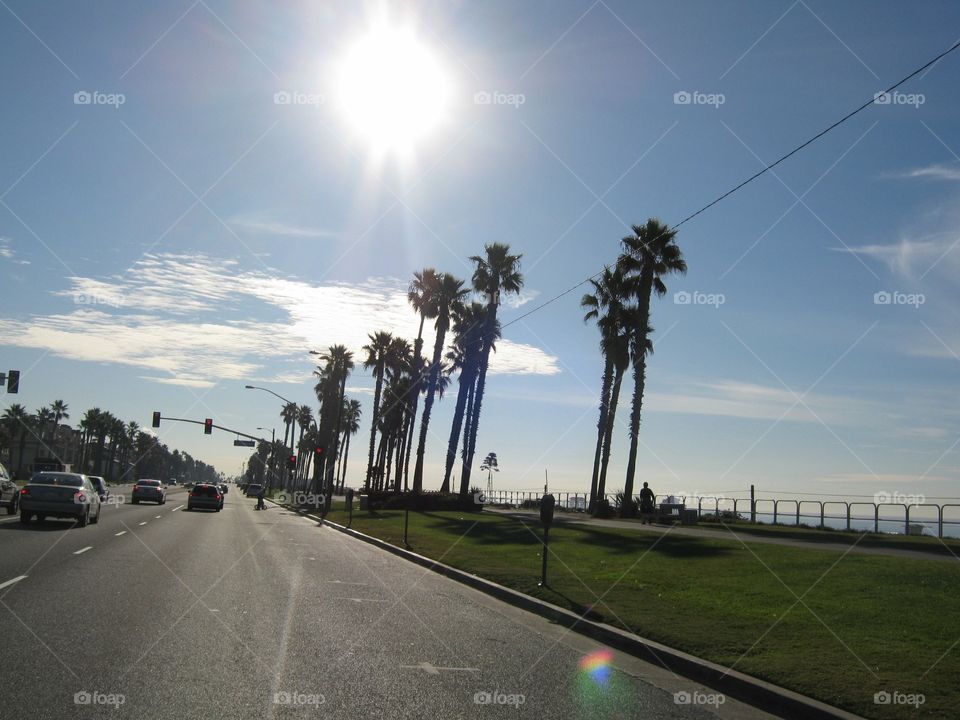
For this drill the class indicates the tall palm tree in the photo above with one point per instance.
(18, 420)
(289, 417)
(464, 355)
(497, 272)
(617, 347)
(606, 305)
(398, 364)
(351, 427)
(338, 362)
(44, 418)
(447, 299)
(420, 295)
(60, 412)
(304, 418)
(650, 254)
(375, 360)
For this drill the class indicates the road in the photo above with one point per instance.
(159, 613)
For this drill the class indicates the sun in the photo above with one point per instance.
(392, 89)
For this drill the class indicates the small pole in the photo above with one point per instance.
(546, 549)
(753, 506)
(406, 523)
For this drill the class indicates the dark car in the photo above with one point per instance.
(150, 490)
(224, 488)
(60, 494)
(205, 495)
(252, 490)
(100, 486)
(9, 492)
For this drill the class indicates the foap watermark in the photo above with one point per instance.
(884, 697)
(495, 97)
(699, 298)
(895, 297)
(85, 97)
(685, 97)
(294, 97)
(898, 498)
(685, 697)
(498, 697)
(302, 499)
(97, 299)
(480, 498)
(898, 98)
(287, 697)
(95, 697)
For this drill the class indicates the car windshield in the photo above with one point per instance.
(57, 479)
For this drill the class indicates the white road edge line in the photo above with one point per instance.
(122, 532)
(8, 583)
(81, 551)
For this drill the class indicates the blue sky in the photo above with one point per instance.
(161, 252)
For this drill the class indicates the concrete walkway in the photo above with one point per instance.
(731, 534)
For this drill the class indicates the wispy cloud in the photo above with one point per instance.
(912, 258)
(172, 315)
(7, 252)
(265, 224)
(934, 172)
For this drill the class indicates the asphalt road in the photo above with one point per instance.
(159, 613)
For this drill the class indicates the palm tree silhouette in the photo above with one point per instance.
(420, 296)
(496, 272)
(649, 254)
(18, 420)
(375, 360)
(447, 299)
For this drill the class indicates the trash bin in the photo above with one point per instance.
(364, 502)
(688, 517)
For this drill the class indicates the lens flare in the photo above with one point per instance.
(597, 666)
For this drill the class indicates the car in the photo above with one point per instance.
(100, 485)
(205, 495)
(173, 482)
(151, 490)
(253, 489)
(224, 488)
(9, 492)
(60, 494)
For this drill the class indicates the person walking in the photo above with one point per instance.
(646, 505)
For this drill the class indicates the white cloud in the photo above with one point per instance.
(7, 252)
(520, 299)
(171, 314)
(910, 259)
(263, 224)
(935, 172)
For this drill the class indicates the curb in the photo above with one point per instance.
(766, 696)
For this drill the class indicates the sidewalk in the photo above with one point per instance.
(728, 533)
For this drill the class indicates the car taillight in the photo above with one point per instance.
(217, 496)
(79, 497)
(24, 491)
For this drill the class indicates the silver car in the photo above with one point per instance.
(60, 494)
(9, 492)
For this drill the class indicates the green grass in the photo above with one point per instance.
(865, 624)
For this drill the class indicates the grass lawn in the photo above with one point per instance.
(862, 624)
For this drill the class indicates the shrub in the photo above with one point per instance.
(422, 502)
(604, 510)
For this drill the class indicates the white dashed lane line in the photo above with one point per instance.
(122, 532)
(144, 522)
(176, 508)
(81, 551)
(156, 517)
(8, 583)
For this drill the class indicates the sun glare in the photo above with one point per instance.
(392, 90)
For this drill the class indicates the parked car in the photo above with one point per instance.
(151, 490)
(60, 494)
(253, 489)
(205, 495)
(100, 485)
(9, 492)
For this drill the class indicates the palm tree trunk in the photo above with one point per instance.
(601, 428)
(639, 348)
(414, 401)
(471, 394)
(428, 404)
(343, 465)
(373, 426)
(608, 436)
(466, 380)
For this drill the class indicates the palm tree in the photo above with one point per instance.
(420, 295)
(447, 299)
(351, 426)
(60, 412)
(43, 417)
(464, 355)
(606, 305)
(18, 420)
(649, 254)
(338, 362)
(375, 360)
(304, 418)
(495, 273)
(289, 417)
(617, 347)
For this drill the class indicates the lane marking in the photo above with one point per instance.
(81, 551)
(157, 517)
(176, 508)
(122, 532)
(144, 522)
(8, 583)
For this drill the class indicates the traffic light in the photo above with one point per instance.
(208, 426)
(156, 418)
(13, 381)
(318, 453)
(292, 462)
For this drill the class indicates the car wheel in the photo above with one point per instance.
(41, 517)
(135, 501)
(25, 516)
(83, 518)
(189, 508)
(95, 520)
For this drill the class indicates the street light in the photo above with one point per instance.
(256, 387)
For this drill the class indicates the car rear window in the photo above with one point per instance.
(148, 483)
(204, 490)
(57, 479)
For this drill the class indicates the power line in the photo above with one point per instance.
(759, 173)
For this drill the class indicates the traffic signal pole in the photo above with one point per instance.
(218, 427)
